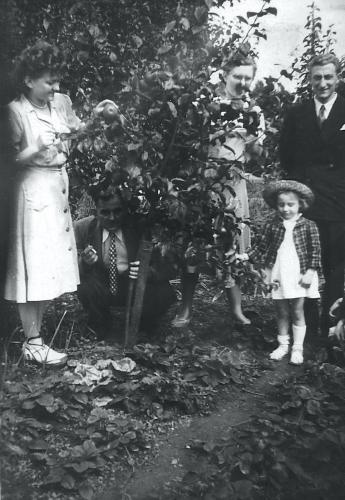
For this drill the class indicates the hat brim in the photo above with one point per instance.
(273, 189)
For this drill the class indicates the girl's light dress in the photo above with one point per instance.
(42, 262)
(285, 275)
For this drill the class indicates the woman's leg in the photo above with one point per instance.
(31, 315)
(298, 330)
(235, 299)
(188, 285)
(283, 323)
(34, 349)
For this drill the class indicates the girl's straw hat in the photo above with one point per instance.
(272, 190)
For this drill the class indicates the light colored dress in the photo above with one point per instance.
(237, 147)
(42, 262)
(285, 275)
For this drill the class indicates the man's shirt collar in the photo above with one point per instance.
(328, 105)
(105, 234)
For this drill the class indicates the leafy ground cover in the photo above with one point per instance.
(64, 431)
(74, 432)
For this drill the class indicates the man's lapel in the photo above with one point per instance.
(334, 121)
(311, 124)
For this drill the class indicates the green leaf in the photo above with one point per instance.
(260, 34)
(313, 407)
(81, 397)
(164, 49)
(271, 10)
(137, 40)
(68, 482)
(242, 19)
(94, 30)
(45, 400)
(210, 3)
(17, 450)
(185, 23)
(38, 444)
(73, 413)
(90, 447)
(86, 492)
(243, 489)
(82, 466)
(29, 404)
(46, 24)
(200, 14)
(170, 26)
(172, 108)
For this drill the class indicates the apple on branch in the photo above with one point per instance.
(109, 111)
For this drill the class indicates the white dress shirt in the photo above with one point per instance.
(328, 105)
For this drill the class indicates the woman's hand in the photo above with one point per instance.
(134, 269)
(89, 255)
(45, 140)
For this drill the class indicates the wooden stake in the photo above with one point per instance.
(133, 312)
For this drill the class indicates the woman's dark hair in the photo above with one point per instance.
(36, 60)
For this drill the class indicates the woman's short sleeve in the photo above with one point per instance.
(16, 130)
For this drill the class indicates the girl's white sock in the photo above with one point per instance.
(282, 349)
(297, 348)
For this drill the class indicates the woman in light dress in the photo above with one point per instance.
(42, 262)
(239, 145)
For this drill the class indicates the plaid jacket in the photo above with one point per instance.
(306, 239)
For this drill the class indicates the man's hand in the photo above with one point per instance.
(334, 307)
(339, 331)
(307, 278)
(134, 269)
(89, 255)
(243, 257)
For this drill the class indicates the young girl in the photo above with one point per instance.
(289, 251)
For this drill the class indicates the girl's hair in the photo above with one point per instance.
(36, 60)
(303, 202)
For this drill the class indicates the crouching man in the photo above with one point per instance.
(108, 245)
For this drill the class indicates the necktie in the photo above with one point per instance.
(113, 271)
(322, 115)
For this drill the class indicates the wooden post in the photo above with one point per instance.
(133, 312)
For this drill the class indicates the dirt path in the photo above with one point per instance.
(173, 457)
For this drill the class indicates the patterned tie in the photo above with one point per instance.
(113, 271)
(322, 115)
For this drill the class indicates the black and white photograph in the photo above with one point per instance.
(172, 249)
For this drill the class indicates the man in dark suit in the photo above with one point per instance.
(312, 151)
(108, 245)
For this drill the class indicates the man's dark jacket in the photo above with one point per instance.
(316, 156)
(162, 269)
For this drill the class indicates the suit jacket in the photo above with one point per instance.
(88, 232)
(317, 157)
